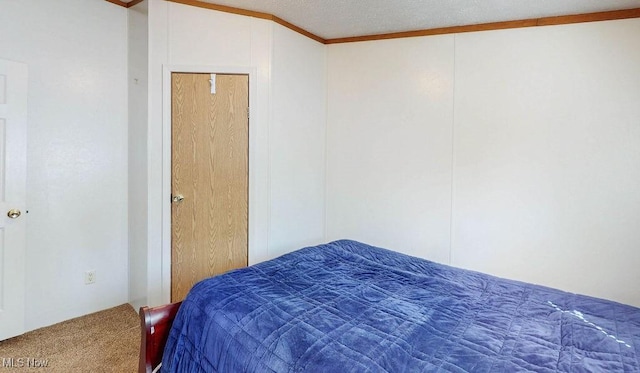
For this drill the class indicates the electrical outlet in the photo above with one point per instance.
(90, 277)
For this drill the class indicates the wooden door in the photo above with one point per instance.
(210, 167)
(13, 182)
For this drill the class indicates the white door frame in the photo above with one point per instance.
(166, 160)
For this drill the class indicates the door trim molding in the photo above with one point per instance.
(166, 160)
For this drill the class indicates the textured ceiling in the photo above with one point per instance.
(342, 18)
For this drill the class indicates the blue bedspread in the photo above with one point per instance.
(349, 307)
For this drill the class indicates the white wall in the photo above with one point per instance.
(546, 148)
(77, 152)
(389, 144)
(181, 35)
(297, 145)
(158, 55)
(138, 71)
(547, 156)
(537, 150)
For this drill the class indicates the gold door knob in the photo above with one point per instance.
(177, 198)
(13, 213)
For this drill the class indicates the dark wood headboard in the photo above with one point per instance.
(155, 324)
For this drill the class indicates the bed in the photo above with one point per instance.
(349, 307)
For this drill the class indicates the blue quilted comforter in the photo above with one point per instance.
(349, 307)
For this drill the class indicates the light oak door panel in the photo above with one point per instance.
(210, 168)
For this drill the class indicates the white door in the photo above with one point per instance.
(13, 160)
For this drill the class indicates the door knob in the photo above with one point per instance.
(177, 198)
(13, 213)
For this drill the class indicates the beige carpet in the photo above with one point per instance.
(105, 341)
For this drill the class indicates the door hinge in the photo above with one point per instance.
(248, 113)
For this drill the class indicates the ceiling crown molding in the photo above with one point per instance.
(125, 5)
(534, 22)
(251, 13)
(545, 21)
